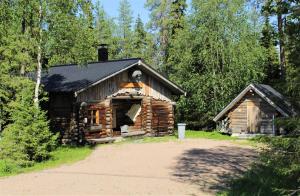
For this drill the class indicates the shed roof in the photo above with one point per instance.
(75, 78)
(270, 95)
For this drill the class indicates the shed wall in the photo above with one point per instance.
(252, 114)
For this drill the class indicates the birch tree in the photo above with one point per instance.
(39, 55)
(215, 57)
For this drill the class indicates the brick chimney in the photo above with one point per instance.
(103, 52)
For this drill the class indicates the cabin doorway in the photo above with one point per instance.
(126, 116)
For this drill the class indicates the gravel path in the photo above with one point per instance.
(191, 167)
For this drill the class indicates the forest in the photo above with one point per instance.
(212, 48)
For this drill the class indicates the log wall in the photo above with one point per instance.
(156, 118)
(163, 117)
(91, 131)
(60, 113)
(147, 114)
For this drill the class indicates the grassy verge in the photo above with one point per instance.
(208, 135)
(63, 155)
(190, 134)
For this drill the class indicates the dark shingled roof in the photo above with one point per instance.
(276, 98)
(270, 95)
(71, 78)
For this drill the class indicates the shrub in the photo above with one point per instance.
(7, 167)
(27, 138)
(289, 125)
(276, 172)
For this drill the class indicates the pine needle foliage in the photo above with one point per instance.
(27, 138)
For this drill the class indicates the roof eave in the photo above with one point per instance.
(270, 102)
(232, 103)
(241, 95)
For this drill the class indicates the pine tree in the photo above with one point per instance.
(159, 22)
(140, 34)
(279, 8)
(86, 43)
(142, 42)
(17, 47)
(70, 32)
(25, 135)
(292, 86)
(177, 15)
(105, 31)
(287, 15)
(16, 42)
(27, 139)
(268, 41)
(125, 31)
(166, 18)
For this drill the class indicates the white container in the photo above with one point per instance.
(124, 129)
(181, 130)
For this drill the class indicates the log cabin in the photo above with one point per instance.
(109, 98)
(254, 111)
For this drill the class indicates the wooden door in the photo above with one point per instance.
(253, 116)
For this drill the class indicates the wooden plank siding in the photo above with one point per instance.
(252, 114)
(238, 117)
(120, 84)
(158, 91)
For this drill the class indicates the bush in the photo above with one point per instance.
(277, 171)
(7, 167)
(289, 125)
(27, 138)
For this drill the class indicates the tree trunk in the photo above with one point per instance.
(281, 44)
(39, 61)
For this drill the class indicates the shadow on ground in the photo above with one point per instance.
(212, 169)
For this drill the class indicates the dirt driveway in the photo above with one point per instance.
(192, 167)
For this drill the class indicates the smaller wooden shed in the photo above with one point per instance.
(254, 110)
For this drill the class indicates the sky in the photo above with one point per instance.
(137, 6)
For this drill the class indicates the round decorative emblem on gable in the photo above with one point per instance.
(137, 76)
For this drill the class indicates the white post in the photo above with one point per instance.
(181, 130)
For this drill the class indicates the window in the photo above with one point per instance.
(95, 117)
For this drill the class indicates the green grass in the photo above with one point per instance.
(208, 135)
(63, 155)
(189, 134)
